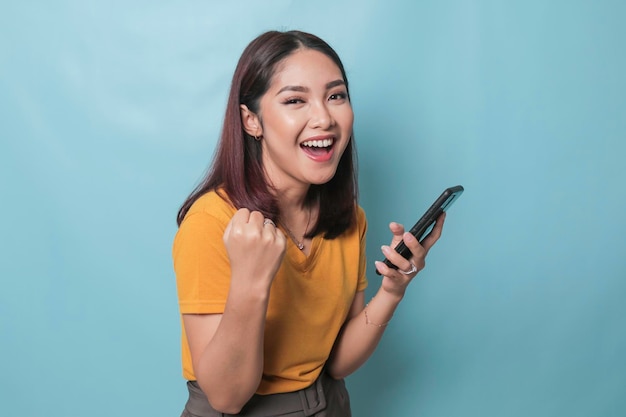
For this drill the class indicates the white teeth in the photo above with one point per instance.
(318, 143)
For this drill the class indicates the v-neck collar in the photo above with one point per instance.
(298, 258)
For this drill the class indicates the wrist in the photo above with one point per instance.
(379, 311)
(246, 293)
(390, 297)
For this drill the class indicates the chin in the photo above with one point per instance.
(321, 180)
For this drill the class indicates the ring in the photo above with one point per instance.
(410, 271)
(268, 221)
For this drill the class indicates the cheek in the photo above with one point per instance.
(282, 123)
(345, 113)
(347, 120)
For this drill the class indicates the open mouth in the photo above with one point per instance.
(318, 147)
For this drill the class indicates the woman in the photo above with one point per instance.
(270, 251)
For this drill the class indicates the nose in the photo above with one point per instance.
(320, 116)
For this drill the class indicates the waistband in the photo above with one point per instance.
(308, 400)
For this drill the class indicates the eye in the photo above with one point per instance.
(293, 100)
(338, 96)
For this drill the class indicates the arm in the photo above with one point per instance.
(366, 325)
(227, 349)
(360, 336)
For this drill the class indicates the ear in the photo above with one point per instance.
(250, 121)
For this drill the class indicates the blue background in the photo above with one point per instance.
(109, 114)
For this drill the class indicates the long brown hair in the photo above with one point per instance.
(237, 166)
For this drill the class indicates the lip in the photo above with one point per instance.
(322, 156)
(319, 137)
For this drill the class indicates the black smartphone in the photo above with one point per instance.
(425, 224)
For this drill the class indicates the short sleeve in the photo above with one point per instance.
(362, 227)
(201, 264)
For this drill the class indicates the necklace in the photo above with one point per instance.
(299, 243)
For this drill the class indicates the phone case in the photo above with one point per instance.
(425, 224)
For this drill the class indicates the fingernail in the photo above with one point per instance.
(409, 237)
(384, 248)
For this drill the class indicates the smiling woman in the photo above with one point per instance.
(305, 120)
(268, 320)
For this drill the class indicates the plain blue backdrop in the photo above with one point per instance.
(109, 115)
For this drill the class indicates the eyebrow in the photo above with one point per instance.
(303, 89)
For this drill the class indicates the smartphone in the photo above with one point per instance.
(425, 224)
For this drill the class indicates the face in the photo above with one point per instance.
(305, 119)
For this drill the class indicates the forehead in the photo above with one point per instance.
(305, 67)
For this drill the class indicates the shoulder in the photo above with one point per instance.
(213, 204)
(203, 225)
(358, 225)
(360, 215)
(361, 218)
(207, 217)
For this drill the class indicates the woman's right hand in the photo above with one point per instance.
(255, 248)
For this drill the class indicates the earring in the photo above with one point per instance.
(258, 138)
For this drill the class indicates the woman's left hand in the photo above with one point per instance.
(395, 281)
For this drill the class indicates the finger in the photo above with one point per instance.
(270, 223)
(395, 258)
(383, 269)
(391, 273)
(413, 244)
(397, 230)
(257, 218)
(415, 260)
(236, 223)
(280, 236)
(241, 216)
(435, 234)
(412, 271)
(269, 228)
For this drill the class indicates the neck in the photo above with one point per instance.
(290, 193)
(299, 235)
(296, 217)
(295, 214)
(292, 201)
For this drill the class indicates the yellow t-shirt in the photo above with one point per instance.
(309, 299)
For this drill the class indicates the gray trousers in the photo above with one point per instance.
(327, 397)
